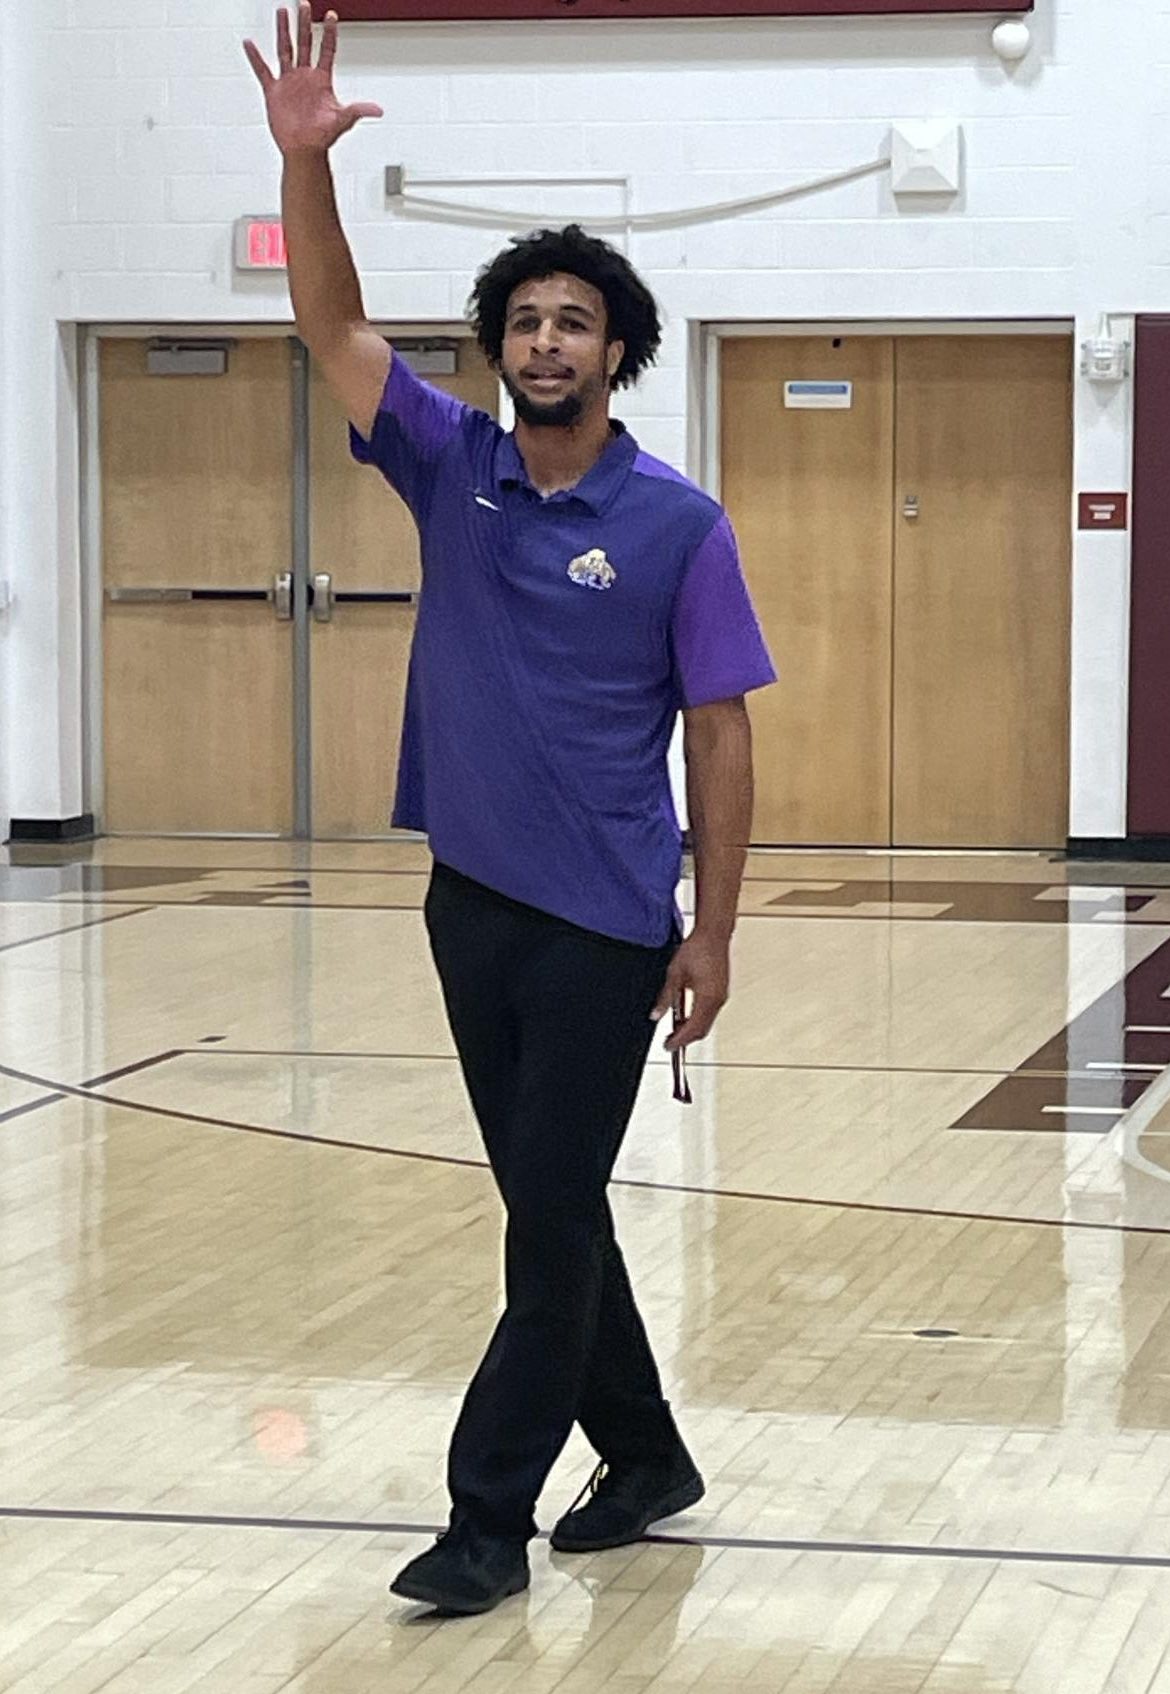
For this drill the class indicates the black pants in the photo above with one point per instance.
(552, 1024)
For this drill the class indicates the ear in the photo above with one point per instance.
(614, 354)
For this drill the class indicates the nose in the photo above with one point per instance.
(546, 339)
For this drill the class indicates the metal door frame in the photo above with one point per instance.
(92, 563)
(301, 562)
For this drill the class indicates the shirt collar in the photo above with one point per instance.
(597, 489)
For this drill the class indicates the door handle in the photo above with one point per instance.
(323, 597)
(182, 596)
(911, 508)
(377, 597)
(282, 596)
(148, 596)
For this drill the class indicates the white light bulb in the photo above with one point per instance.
(1012, 40)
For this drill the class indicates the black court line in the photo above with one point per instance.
(74, 928)
(266, 1130)
(654, 1064)
(133, 1070)
(751, 1544)
(815, 882)
(259, 900)
(336, 1142)
(862, 862)
(250, 900)
(15, 1112)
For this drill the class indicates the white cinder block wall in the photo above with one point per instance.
(133, 136)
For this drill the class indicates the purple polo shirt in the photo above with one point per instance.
(556, 642)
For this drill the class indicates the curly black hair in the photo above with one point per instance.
(632, 310)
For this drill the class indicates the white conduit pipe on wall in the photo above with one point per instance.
(450, 211)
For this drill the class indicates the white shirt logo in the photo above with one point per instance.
(593, 570)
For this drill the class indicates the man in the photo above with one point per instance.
(576, 595)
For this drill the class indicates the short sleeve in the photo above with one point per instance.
(414, 423)
(719, 648)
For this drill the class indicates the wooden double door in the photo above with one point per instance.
(905, 513)
(259, 595)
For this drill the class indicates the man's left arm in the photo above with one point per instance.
(718, 745)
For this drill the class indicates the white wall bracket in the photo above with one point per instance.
(926, 158)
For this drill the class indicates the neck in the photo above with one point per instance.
(556, 459)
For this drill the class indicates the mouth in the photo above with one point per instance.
(547, 382)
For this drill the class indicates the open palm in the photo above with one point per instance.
(304, 112)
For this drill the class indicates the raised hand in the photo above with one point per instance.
(304, 113)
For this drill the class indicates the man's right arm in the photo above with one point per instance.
(326, 292)
(306, 119)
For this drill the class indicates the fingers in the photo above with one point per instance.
(698, 1026)
(353, 115)
(284, 50)
(305, 35)
(260, 65)
(329, 44)
(673, 990)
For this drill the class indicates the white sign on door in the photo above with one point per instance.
(818, 396)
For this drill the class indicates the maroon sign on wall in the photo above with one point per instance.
(479, 11)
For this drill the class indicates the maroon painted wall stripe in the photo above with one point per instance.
(420, 11)
(1149, 685)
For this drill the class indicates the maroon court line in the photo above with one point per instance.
(73, 929)
(304, 1137)
(756, 1544)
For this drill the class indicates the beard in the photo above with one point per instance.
(555, 414)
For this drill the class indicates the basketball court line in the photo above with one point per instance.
(753, 1544)
(261, 900)
(136, 1069)
(75, 928)
(657, 1064)
(176, 1115)
(1107, 878)
(14, 1112)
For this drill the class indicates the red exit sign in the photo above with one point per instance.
(479, 11)
(260, 245)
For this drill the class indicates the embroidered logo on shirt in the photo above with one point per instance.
(482, 500)
(593, 570)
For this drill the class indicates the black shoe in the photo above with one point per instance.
(623, 1503)
(465, 1572)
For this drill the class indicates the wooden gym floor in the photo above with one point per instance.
(906, 1263)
